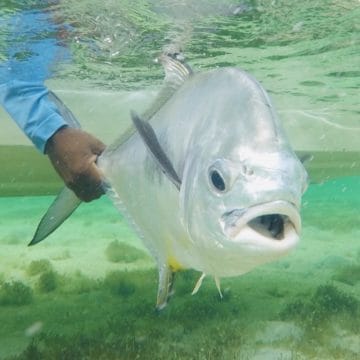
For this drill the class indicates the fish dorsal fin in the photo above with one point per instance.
(148, 135)
(176, 73)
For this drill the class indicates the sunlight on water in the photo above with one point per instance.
(89, 290)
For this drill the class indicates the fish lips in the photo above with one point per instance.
(275, 224)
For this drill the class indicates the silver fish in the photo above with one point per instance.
(206, 177)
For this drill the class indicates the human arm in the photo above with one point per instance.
(73, 152)
(29, 58)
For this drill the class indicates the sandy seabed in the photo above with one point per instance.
(88, 291)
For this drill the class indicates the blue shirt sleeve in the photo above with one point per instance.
(32, 51)
(28, 104)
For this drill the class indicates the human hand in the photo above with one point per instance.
(73, 154)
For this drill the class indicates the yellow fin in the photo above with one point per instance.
(174, 264)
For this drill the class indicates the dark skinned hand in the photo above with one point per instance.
(73, 153)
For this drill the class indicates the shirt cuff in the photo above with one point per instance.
(45, 130)
(30, 107)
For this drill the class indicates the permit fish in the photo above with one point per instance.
(206, 176)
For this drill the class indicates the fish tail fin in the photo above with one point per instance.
(62, 207)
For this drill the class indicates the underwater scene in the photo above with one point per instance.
(89, 290)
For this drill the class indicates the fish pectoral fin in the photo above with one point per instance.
(166, 282)
(62, 207)
(148, 135)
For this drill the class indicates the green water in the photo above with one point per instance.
(82, 294)
(89, 291)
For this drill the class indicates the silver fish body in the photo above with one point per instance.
(238, 204)
(206, 177)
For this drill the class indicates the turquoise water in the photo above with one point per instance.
(89, 291)
(82, 294)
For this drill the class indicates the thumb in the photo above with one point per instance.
(96, 145)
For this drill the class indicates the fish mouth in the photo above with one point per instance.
(271, 226)
(276, 221)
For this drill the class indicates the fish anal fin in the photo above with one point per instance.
(166, 281)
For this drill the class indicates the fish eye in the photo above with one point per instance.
(217, 181)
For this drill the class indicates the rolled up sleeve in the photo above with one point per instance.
(30, 107)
